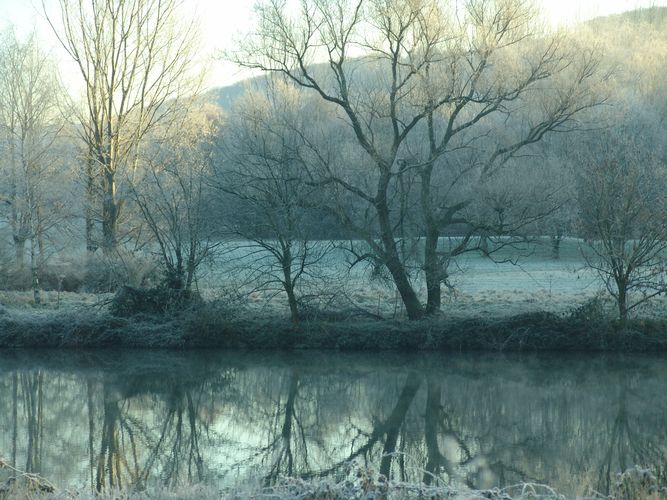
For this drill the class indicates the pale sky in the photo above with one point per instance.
(222, 21)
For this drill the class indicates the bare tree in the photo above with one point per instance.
(623, 207)
(30, 126)
(431, 76)
(135, 58)
(263, 175)
(170, 194)
(502, 97)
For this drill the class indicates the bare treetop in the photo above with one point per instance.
(136, 58)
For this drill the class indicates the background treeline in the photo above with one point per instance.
(378, 128)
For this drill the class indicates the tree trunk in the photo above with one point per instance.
(19, 249)
(431, 264)
(434, 269)
(288, 285)
(433, 273)
(191, 266)
(293, 304)
(484, 243)
(90, 207)
(34, 272)
(622, 302)
(109, 213)
(413, 307)
(18, 233)
(392, 260)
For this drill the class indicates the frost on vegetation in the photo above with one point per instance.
(638, 482)
(365, 484)
(360, 483)
(77, 326)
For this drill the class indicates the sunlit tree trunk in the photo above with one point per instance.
(91, 198)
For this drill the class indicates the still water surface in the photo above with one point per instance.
(94, 419)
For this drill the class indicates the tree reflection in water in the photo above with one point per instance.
(132, 420)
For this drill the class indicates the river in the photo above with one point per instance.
(94, 419)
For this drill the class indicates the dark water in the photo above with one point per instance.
(137, 418)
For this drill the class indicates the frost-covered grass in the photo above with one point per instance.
(213, 325)
(85, 326)
(360, 483)
(50, 299)
(481, 287)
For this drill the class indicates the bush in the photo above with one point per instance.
(637, 483)
(592, 310)
(105, 274)
(130, 301)
(211, 325)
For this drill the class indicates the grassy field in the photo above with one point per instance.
(514, 281)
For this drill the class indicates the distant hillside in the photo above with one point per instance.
(226, 96)
(627, 31)
(655, 16)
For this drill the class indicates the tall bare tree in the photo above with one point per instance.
(135, 58)
(506, 87)
(432, 71)
(30, 126)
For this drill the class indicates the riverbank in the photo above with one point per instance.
(217, 325)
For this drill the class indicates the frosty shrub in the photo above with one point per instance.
(106, 273)
(637, 483)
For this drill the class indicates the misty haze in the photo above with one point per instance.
(417, 248)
